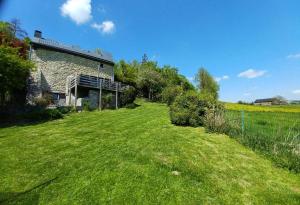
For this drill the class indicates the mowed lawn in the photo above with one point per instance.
(134, 156)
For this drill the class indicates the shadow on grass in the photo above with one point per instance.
(132, 106)
(30, 198)
(5, 123)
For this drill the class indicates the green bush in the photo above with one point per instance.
(215, 120)
(40, 115)
(106, 100)
(65, 109)
(128, 96)
(170, 93)
(188, 109)
(86, 105)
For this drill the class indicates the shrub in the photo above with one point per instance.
(43, 101)
(214, 119)
(128, 96)
(86, 105)
(40, 115)
(65, 109)
(188, 109)
(106, 100)
(170, 93)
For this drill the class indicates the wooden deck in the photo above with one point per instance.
(96, 83)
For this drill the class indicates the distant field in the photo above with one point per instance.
(273, 133)
(253, 108)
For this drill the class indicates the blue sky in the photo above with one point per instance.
(252, 47)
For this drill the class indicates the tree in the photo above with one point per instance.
(14, 71)
(14, 66)
(16, 29)
(127, 72)
(144, 58)
(150, 81)
(209, 88)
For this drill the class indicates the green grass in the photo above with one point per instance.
(134, 156)
(275, 134)
(258, 108)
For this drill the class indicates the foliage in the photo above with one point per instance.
(126, 72)
(65, 109)
(106, 100)
(129, 156)
(207, 85)
(86, 105)
(13, 70)
(188, 109)
(128, 96)
(149, 79)
(215, 120)
(170, 93)
(14, 66)
(42, 115)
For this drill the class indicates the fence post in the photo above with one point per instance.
(243, 121)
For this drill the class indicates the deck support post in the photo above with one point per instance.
(100, 94)
(69, 96)
(117, 86)
(76, 78)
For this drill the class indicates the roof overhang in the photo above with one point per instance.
(52, 45)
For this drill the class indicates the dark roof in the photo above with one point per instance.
(265, 100)
(53, 45)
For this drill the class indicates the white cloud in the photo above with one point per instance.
(247, 94)
(191, 79)
(105, 27)
(294, 56)
(297, 92)
(224, 77)
(78, 10)
(251, 73)
(218, 79)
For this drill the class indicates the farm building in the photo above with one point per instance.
(270, 101)
(70, 75)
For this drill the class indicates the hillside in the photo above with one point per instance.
(134, 156)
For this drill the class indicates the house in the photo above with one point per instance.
(270, 101)
(70, 75)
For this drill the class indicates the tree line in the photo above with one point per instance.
(188, 103)
(14, 64)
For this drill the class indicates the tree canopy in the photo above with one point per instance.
(14, 66)
(207, 85)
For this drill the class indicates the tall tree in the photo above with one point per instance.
(144, 58)
(207, 84)
(14, 65)
(16, 29)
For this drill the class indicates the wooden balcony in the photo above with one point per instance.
(96, 83)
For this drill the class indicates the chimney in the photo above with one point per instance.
(37, 34)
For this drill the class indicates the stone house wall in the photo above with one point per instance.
(53, 68)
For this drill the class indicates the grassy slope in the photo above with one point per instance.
(281, 108)
(127, 156)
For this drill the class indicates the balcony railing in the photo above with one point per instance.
(96, 82)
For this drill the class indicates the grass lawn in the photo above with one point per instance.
(275, 134)
(134, 156)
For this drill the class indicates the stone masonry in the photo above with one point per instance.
(53, 69)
